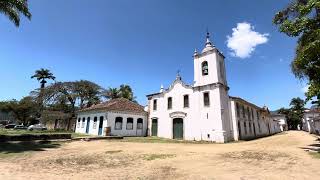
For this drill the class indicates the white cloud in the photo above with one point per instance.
(305, 89)
(244, 40)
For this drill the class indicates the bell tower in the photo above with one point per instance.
(209, 65)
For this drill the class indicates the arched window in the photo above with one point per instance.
(186, 101)
(83, 121)
(129, 123)
(140, 123)
(205, 69)
(238, 110)
(79, 119)
(118, 123)
(169, 102)
(95, 119)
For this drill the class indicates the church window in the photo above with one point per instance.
(206, 99)
(129, 123)
(245, 127)
(186, 101)
(252, 114)
(243, 112)
(221, 69)
(205, 69)
(79, 119)
(249, 114)
(238, 110)
(118, 123)
(169, 102)
(154, 104)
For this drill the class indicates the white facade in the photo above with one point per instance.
(204, 110)
(94, 120)
(311, 121)
(109, 119)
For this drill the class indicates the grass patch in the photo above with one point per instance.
(254, 155)
(151, 157)
(160, 140)
(113, 152)
(315, 154)
(14, 132)
(9, 149)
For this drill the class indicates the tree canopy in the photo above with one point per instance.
(294, 114)
(302, 19)
(13, 8)
(43, 75)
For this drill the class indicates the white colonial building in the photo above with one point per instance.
(204, 110)
(311, 121)
(121, 116)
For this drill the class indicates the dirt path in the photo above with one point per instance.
(277, 157)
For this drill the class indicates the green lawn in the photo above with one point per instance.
(315, 154)
(11, 149)
(13, 132)
(159, 140)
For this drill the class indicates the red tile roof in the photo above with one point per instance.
(120, 104)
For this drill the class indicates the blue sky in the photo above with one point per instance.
(143, 43)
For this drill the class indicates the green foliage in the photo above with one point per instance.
(13, 8)
(302, 19)
(42, 75)
(24, 110)
(124, 91)
(294, 114)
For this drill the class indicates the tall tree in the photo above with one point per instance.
(111, 93)
(125, 91)
(302, 19)
(89, 93)
(294, 114)
(24, 110)
(13, 8)
(43, 75)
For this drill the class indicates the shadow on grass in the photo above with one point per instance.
(21, 147)
(313, 149)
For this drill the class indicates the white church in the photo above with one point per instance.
(204, 110)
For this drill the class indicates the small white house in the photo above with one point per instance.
(281, 119)
(124, 117)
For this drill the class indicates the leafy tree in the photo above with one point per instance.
(24, 110)
(43, 75)
(13, 8)
(68, 97)
(302, 19)
(89, 93)
(124, 91)
(294, 114)
(111, 93)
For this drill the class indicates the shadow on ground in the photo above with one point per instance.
(20, 147)
(315, 147)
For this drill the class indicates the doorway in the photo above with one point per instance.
(177, 128)
(154, 127)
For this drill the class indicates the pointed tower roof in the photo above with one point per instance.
(209, 46)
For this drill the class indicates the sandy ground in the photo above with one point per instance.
(281, 156)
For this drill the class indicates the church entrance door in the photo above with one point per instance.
(177, 128)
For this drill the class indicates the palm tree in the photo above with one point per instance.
(125, 91)
(112, 93)
(13, 8)
(42, 75)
